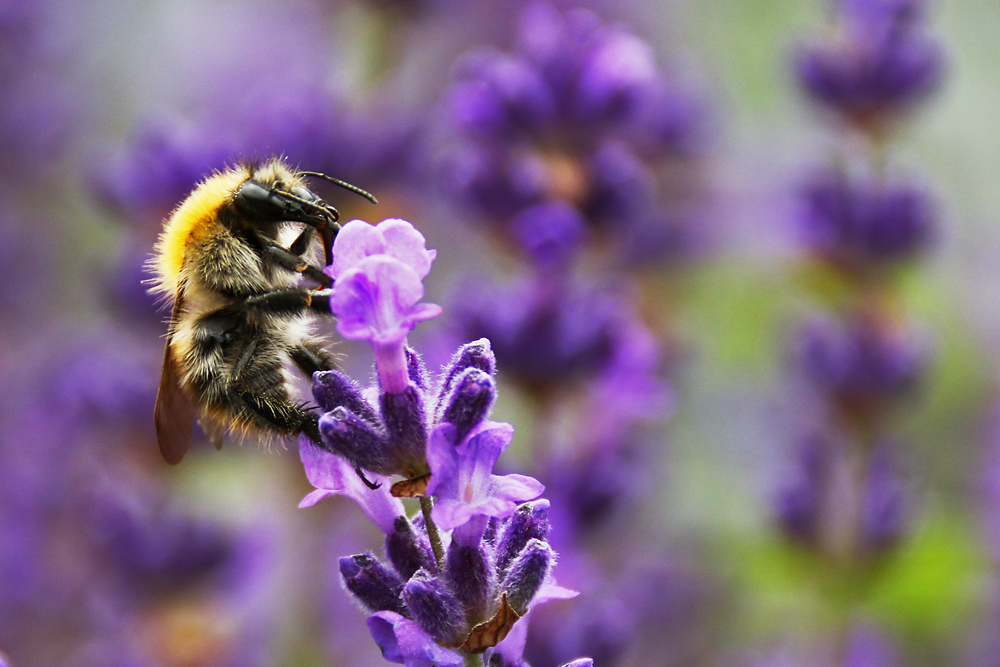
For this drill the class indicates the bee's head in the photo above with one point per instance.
(272, 203)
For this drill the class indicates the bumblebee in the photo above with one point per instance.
(239, 312)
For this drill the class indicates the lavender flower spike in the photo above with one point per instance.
(378, 273)
(462, 478)
(333, 476)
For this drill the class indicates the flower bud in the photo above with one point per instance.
(372, 583)
(469, 575)
(333, 389)
(530, 521)
(470, 401)
(434, 609)
(407, 550)
(527, 574)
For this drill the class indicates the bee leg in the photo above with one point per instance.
(281, 415)
(370, 484)
(290, 301)
(290, 258)
(287, 259)
(310, 359)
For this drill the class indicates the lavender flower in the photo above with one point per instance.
(865, 224)
(863, 368)
(567, 131)
(378, 273)
(434, 611)
(877, 63)
(814, 507)
(462, 476)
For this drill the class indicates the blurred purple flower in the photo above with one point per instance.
(547, 334)
(876, 66)
(864, 224)
(811, 503)
(378, 273)
(462, 479)
(576, 116)
(863, 367)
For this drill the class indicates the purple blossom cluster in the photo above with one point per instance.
(876, 63)
(564, 138)
(848, 502)
(461, 576)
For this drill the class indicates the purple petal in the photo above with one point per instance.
(314, 497)
(355, 241)
(332, 475)
(517, 488)
(406, 244)
(372, 300)
(450, 514)
(443, 459)
(403, 641)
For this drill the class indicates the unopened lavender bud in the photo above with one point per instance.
(407, 550)
(377, 587)
(527, 574)
(530, 521)
(355, 439)
(415, 369)
(403, 416)
(492, 528)
(434, 608)
(470, 401)
(333, 389)
(471, 578)
(477, 354)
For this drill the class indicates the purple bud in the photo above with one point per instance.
(346, 434)
(477, 354)
(877, 72)
(470, 401)
(377, 587)
(494, 182)
(862, 223)
(529, 522)
(415, 369)
(407, 550)
(800, 504)
(623, 186)
(885, 508)
(550, 233)
(469, 575)
(333, 389)
(862, 366)
(434, 609)
(527, 574)
(403, 417)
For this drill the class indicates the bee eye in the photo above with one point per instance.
(254, 199)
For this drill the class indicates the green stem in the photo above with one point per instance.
(472, 659)
(432, 532)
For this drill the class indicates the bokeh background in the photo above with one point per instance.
(694, 508)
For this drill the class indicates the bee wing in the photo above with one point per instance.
(175, 411)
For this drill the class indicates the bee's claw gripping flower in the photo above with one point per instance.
(333, 476)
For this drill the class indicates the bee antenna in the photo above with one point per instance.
(344, 184)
